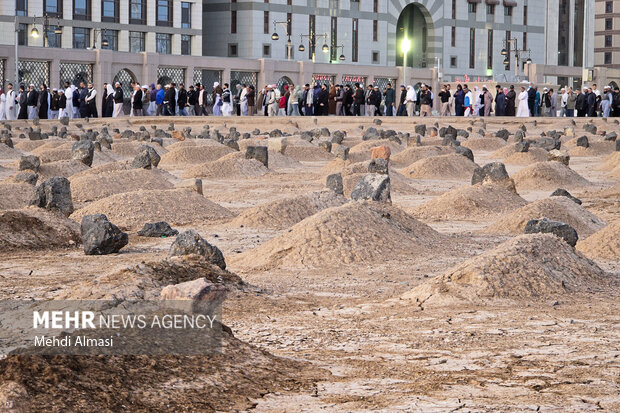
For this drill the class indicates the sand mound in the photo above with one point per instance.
(53, 155)
(615, 173)
(131, 210)
(470, 203)
(548, 176)
(61, 168)
(353, 172)
(534, 155)
(103, 168)
(451, 166)
(596, 148)
(27, 145)
(356, 232)
(131, 149)
(195, 154)
(529, 266)
(603, 244)
(278, 161)
(51, 144)
(227, 381)
(415, 153)
(484, 144)
(611, 162)
(36, 228)
(233, 165)
(334, 166)
(93, 187)
(286, 212)
(145, 281)
(15, 195)
(309, 153)
(192, 142)
(557, 208)
(9, 153)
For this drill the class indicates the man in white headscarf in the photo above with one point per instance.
(11, 104)
(69, 95)
(410, 99)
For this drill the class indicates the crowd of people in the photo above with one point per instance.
(294, 100)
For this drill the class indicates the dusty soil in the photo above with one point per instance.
(322, 303)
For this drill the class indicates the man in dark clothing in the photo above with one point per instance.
(182, 101)
(318, 110)
(33, 102)
(531, 99)
(375, 100)
(591, 103)
(390, 100)
(169, 101)
(348, 100)
(82, 100)
(358, 100)
(510, 101)
(23, 103)
(137, 106)
(118, 100)
(402, 107)
(323, 101)
(500, 101)
(444, 96)
(91, 102)
(615, 105)
(582, 103)
(192, 98)
(43, 105)
(104, 99)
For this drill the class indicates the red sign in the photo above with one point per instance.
(322, 78)
(353, 78)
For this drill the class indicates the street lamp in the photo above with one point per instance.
(519, 54)
(275, 36)
(104, 41)
(312, 43)
(341, 57)
(404, 46)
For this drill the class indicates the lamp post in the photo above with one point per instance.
(289, 44)
(404, 46)
(104, 41)
(341, 57)
(312, 43)
(519, 55)
(35, 34)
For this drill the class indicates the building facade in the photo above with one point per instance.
(607, 33)
(461, 38)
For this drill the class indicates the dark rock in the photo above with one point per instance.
(157, 229)
(334, 182)
(260, 153)
(387, 134)
(558, 156)
(337, 137)
(449, 131)
(370, 134)
(97, 146)
(519, 136)
(6, 140)
(159, 141)
(232, 144)
(100, 236)
(523, 146)
(54, 194)
(548, 144)
(26, 177)
(420, 129)
(83, 151)
(342, 151)
(256, 132)
(377, 121)
(31, 162)
(462, 133)
(378, 166)
(590, 128)
(493, 172)
(502, 133)
(466, 152)
(618, 145)
(583, 141)
(564, 192)
(375, 187)
(450, 141)
(611, 136)
(35, 135)
(146, 158)
(327, 145)
(276, 133)
(190, 242)
(325, 132)
(246, 135)
(160, 133)
(559, 229)
(104, 141)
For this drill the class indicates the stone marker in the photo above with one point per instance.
(374, 187)
(31, 162)
(260, 153)
(564, 192)
(558, 156)
(327, 145)
(54, 194)
(190, 242)
(277, 144)
(83, 151)
(146, 158)
(612, 136)
(195, 184)
(342, 151)
(382, 152)
(466, 152)
(100, 236)
(420, 129)
(559, 229)
(157, 229)
(491, 172)
(26, 177)
(334, 182)
(583, 141)
(194, 290)
(378, 166)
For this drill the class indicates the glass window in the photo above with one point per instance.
(490, 50)
(233, 22)
(608, 40)
(81, 9)
(266, 50)
(507, 11)
(472, 7)
(232, 49)
(333, 56)
(452, 61)
(22, 35)
(525, 15)
(453, 37)
(609, 24)
(375, 30)
(311, 32)
(266, 22)
(609, 7)
(607, 58)
(490, 8)
(375, 6)
(136, 42)
(508, 48)
(81, 38)
(53, 7)
(112, 37)
(472, 48)
(186, 15)
(21, 7)
(186, 44)
(453, 9)
(164, 13)
(137, 12)
(163, 43)
(53, 39)
(563, 34)
(354, 41)
(375, 57)
(109, 11)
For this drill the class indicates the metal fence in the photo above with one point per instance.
(382, 82)
(75, 73)
(281, 82)
(207, 77)
(2, 73)
(34, 72)
(237, 78)
(166, 75)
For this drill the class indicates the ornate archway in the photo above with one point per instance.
(125, 77)
(416, 25)
(284, 80)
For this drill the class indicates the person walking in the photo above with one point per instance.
(250, 99)
(358, 100)
(83, 92)
(500, 101)
(227, 100)
(62, 104)
(444, 97)
(524, 107)
(217, 99)
(69, 96)
(307, 98)
(591, 103)
(459, 101)
(293, 101)
(410, 100)
(323, 101)
(511, 97)
(488, 101)
(425, 101)
(137, 104)
(390, 100)
(468, 102)
(582, 103)
(553, 109)
(11, 103)
(182, 102)
(32, 102)
(368, 108)
(44, 102)
(53, 111)
(402, 102)
(339, 99)
(23, 103)
(561, 101)
(531, 99)
(571, 102)
(348, 101)
(606, 101)
(374, 101)
(91, 102)
(333, 92)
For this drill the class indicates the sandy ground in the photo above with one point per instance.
(380, 353)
